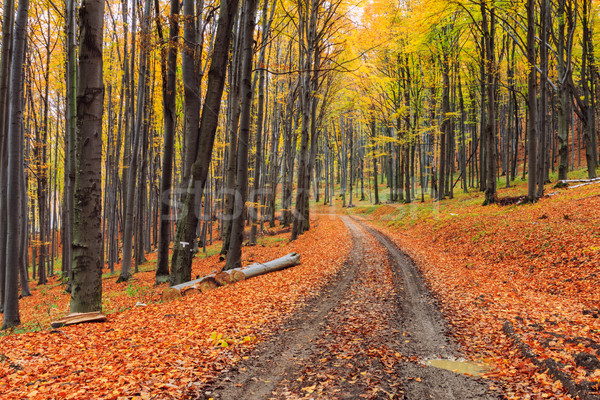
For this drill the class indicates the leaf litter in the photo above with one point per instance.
(168, 350)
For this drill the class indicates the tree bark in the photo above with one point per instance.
(169, 116)
(188, 220)
(15, 219)
(132, 172)
(490, 130)
(254, 211)
(445, 129)
(532, 103)
(88, 257)
(234, 254)
(5, 60)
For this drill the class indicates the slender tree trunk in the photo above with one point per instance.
(374, 144)
(445, 130)
(191, 88)
(232, 130)
(188, 220)
(490, 135)
(254, 211)
(543, 102)
(532, 102)
(5, 60)
(132, 193)
(15, 198)
(169, 75)
(234, 254)
(563, 69)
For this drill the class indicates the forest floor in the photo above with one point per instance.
(518, 283)
(165, 351)
(369, 335)
(379, 296)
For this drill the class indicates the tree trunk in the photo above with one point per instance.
(5, 60)
(254, 211)
(234, 254)
(374, 152)
(86, 283)
(169, 117)
(490, 130)
(15, 220)
(132, 193)
(191, 88)
(445, 130)
(233, 101)
(563, 69)
(188, 220)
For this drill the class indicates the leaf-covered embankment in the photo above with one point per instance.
(535, 266)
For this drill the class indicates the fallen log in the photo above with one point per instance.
(78, 318)
(200, 285)
(169, 294)
(258, 269)
(222, 278)
(208, 283)
(563, 181)
(190, 290)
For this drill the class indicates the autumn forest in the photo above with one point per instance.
(224, 199)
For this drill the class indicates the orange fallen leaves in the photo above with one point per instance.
(168, 349)
(537, 266)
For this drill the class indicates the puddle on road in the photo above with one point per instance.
(459, 366)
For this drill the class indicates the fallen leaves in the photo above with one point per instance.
(168, 349)
(356, 353)
(525, 264)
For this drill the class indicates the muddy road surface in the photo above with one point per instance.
(368, 335)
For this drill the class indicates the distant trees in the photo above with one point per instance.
(478, 104)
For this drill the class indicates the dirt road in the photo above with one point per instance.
(366, 336)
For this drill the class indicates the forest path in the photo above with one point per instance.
(364, 336)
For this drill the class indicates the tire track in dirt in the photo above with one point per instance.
(285, 353)
(427, 331)
(363, 337)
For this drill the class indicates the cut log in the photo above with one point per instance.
(78, 318)
(213, 281)
(208, 283)
(190, 290)
(258, 269)
(223, 278)
(579, 180)
(195, 282)
(237, 275)
(169, 294)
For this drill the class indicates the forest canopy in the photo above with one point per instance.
(132, 127)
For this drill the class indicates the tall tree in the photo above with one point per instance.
(138, 132)
(532, 102)
(254, 211)
(169, 76)
(8, 12)
(234, 254)
(489, 33)
(188, 219)
(88, 257)
(15, 193)
(70, 132)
